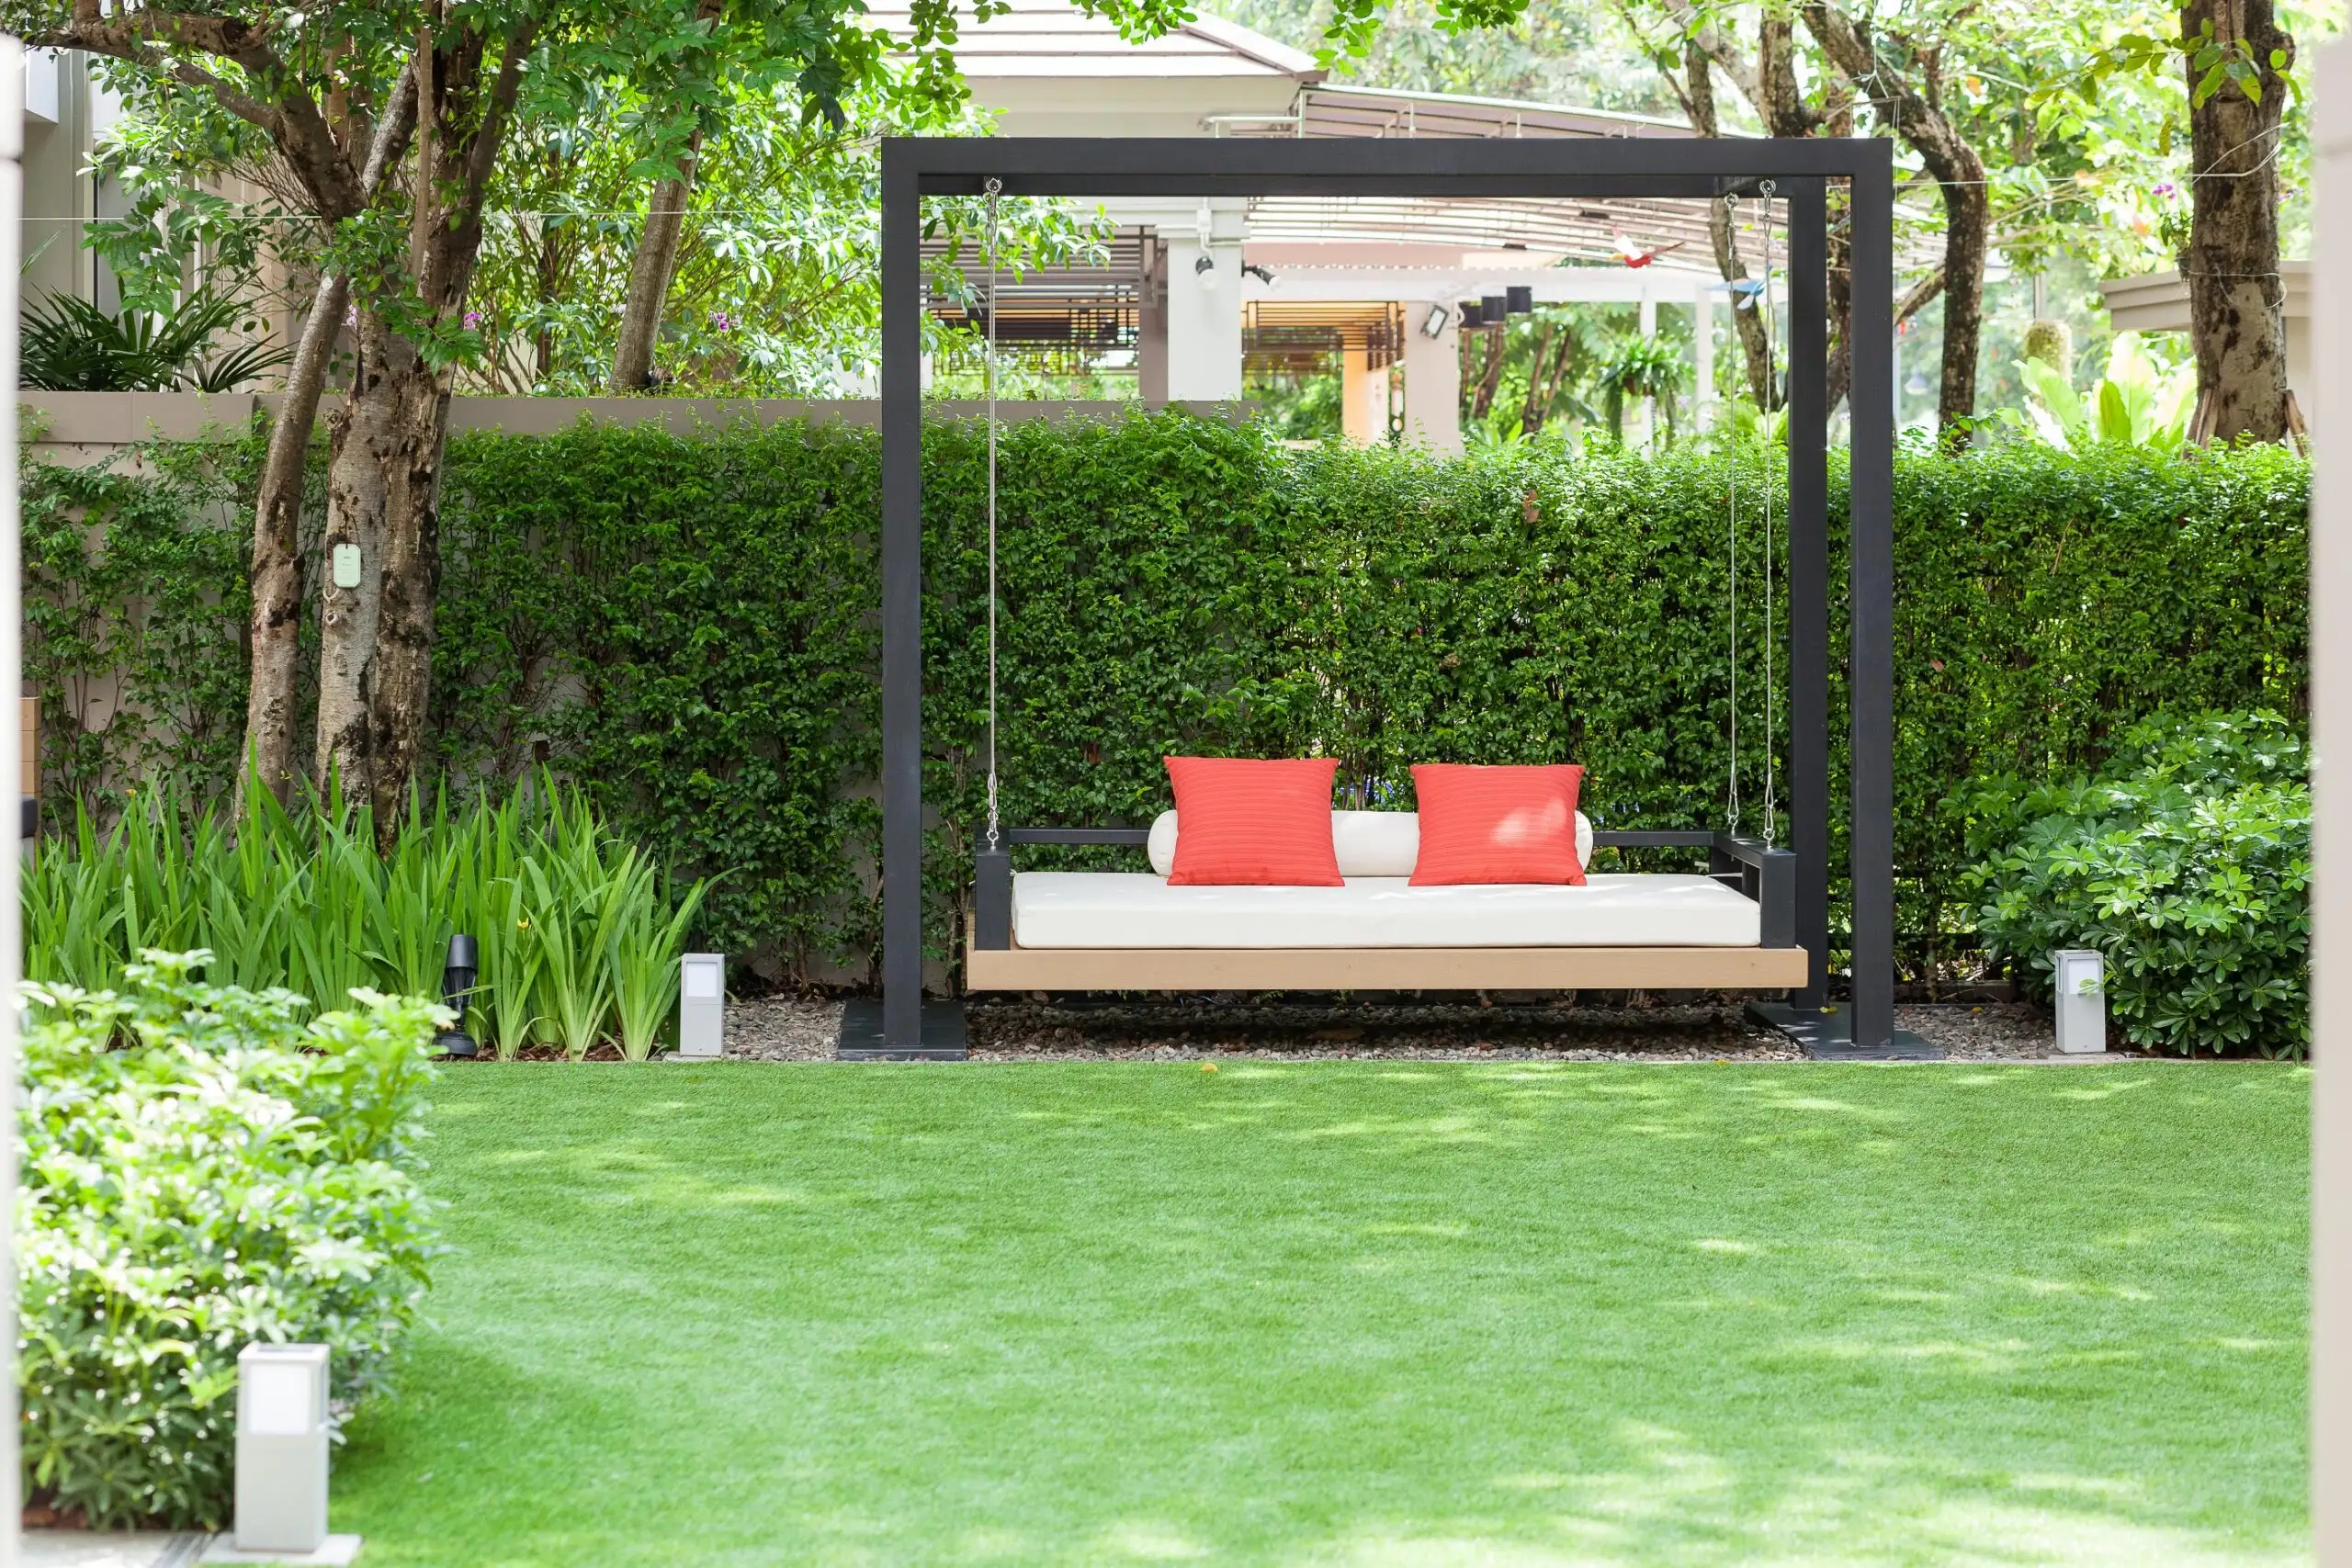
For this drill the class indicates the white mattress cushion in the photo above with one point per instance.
(1073, 908)
(1368, 843)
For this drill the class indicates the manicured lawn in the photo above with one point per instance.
(1355, 1314)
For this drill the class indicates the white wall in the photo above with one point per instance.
(12, 193)
(1205, 322)
(1432, 379)
(2331, 623)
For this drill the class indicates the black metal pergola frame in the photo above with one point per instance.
(1801, 169)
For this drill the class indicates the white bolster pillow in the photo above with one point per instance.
(1367, 843)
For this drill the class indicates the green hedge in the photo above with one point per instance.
(687, 625)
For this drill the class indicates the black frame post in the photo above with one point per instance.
(901, 597)
(1694, 169)
(1871, 596)
(1809, 576)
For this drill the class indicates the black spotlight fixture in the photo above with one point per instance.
(1472, 315)
(1493, 308)
(1521, 300)
(459, 972)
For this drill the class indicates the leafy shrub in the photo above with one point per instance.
(2187, 864)
(578, 932)
(201, 1171)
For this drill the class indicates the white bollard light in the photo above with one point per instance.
(2081, 984)
(282, 1448)
(702, 1006)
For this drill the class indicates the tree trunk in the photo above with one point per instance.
(2236, 299)
(361, 440)
(1488, 382)
(543, 359)
(1699, 101)
(1968, 221)
(383, 484)
(656, 260)
(1559, 374)
(401, 683)
(649, 271)
(1531, 407)
(1780, 96)
(1838, 247)
(277, 624)
(383, 481)
(1918, 114)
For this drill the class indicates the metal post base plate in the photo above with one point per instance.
(1827, 1034)
(943, 1033)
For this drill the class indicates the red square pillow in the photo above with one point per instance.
(1266, 824)
(1496, 824)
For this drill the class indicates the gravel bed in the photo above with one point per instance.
(795, 1029)
(1982, 1030)
(783, 1029)
(1335, 1031)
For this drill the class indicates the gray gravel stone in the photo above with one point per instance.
(1322, 1030)
(796, 1029)
(1982, 1032)
(783, 1029)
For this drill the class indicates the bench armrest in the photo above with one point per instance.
(1747, 866)
(992, 871)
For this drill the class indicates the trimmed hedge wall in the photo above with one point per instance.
(687, 625)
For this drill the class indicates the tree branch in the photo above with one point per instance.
(392, 135)
(1916, 297)
(1948, 156)
(1703, 31)
(483, 157)
(292, 121)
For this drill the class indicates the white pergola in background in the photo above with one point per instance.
(1047, 69)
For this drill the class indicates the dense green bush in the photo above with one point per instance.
(578, 932)
(200, 1170)
(686, 626)
(2189, 865)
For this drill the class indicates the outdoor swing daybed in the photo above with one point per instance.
(1113, 931)
(1757, 920)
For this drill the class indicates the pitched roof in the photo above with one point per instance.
(1054, 37)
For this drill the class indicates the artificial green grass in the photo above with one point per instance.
(1362, 1313)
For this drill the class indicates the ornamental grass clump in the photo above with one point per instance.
(2187, 864)
(202, 1169)
(580, 933)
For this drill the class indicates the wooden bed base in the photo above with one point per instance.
(1018, 968)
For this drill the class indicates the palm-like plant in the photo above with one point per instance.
(70, 345)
